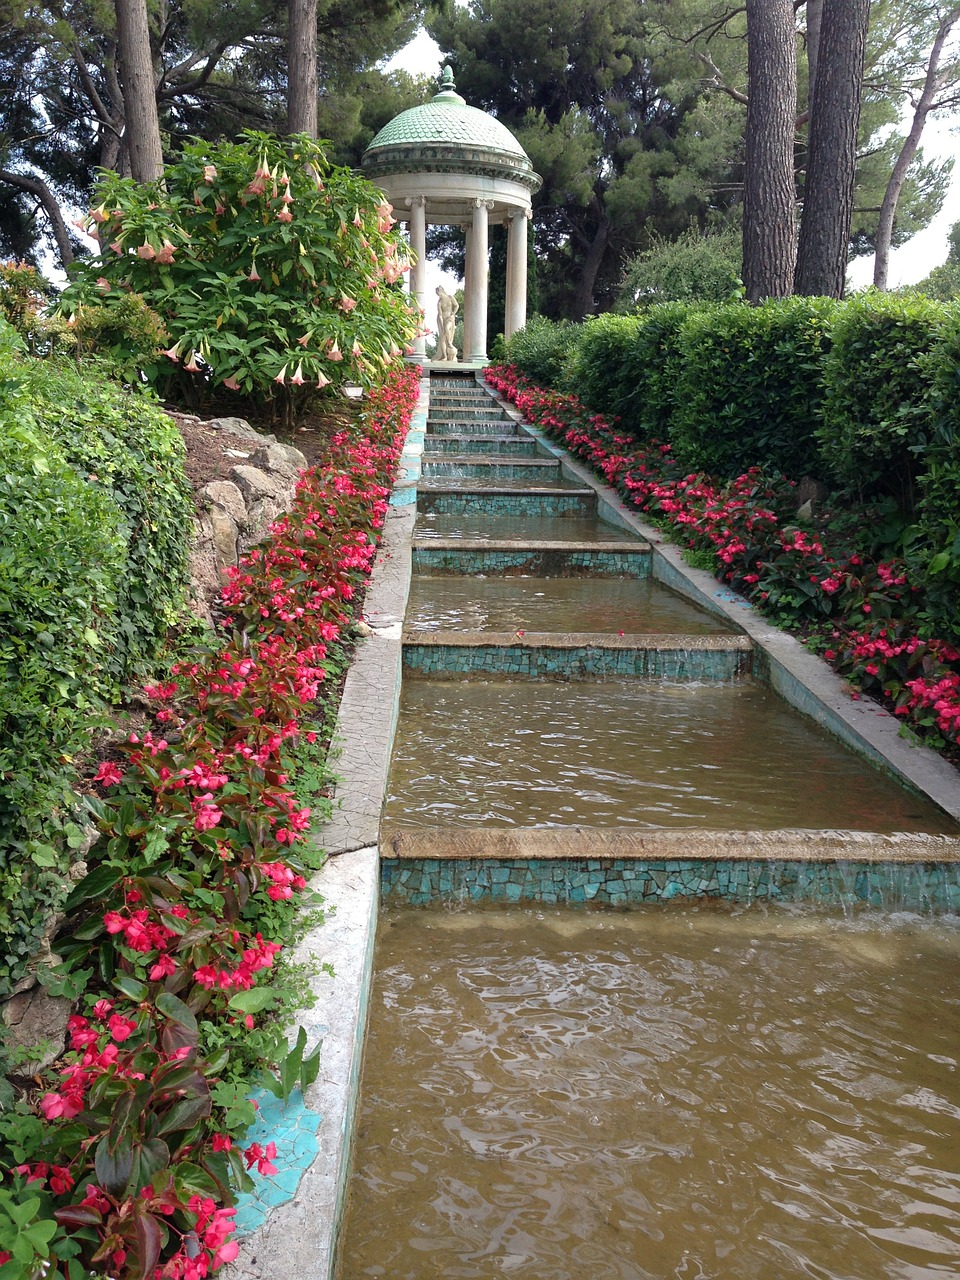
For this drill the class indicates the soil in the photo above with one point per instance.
(211, 454)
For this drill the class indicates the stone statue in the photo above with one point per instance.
(447, 308)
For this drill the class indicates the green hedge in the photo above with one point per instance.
(749, 387)
(596, 364)
(876, 415)
(652, 370)
(540, 349)
(95, 518)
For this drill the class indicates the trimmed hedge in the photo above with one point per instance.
(876, 413)
(95, 516)
(540, 349)
(749, 388)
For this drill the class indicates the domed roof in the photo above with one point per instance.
(447, 135)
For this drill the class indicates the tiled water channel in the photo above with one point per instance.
(550, 681)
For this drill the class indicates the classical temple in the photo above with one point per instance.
(449, 163)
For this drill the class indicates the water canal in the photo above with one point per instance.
(709, 1087)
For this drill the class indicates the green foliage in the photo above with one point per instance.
(541, 348)
(698, 266)
(935, 548)
(24, 302)
(875, 415)
(596, 365)
(942, 284)
(121, 328)
(653, 369)
(274, 273)
(95, 515)
(749, 387)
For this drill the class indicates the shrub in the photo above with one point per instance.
(875, 415)
(651, 370)
(541, 348)
(749, 387)
(61, 557)
(596, 365)
(274, 273)
(699, 266)
(95, 514)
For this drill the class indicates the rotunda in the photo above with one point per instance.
(449, 163)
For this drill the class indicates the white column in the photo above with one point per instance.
(418, 272)
(478, 272)
(516, 308)
(468, 287)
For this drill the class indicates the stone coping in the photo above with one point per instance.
(577, 640)
(797, 675)
(675, 845)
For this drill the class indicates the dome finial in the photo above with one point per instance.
(447, 82)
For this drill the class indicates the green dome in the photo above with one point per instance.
(447, 135)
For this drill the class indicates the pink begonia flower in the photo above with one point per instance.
(284, 215)
(146, 251)
(281, 376)
(121, 1028)
(108, 774)
(297, 378)
(322, 382)
(208, 816)
(232, 383)
(209, 172)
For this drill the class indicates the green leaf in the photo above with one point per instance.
(137, 991)
(173, 1008)
(255, 1000)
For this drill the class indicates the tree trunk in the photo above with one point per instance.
(142, 134)
(37, 187)
(814, 18)
(832, 158)
(584, 300)
(769, 199)
(302, 67)
(891, 197)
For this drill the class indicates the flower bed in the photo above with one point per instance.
(862, 615)
(127, 1165)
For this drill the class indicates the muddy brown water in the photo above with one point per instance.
(554, 604)
(705, 1094)
(630, 753)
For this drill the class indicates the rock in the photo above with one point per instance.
(812, 491)
(283, 458)
(226, 535)
(805, 513)
(255, 485)
(225, 495)
(38, 1023)
(239, 427)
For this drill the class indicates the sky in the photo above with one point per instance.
(908, 264)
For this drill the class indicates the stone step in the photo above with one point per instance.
(457, 445)
(496, 500)
(546, 655)
(444, 413)
(460, 465)
(542, 559)
(482, 427)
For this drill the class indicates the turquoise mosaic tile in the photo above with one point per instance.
(293, 1127)
(542, 564)
(545, 662)
(623, 882)
(561, 503)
